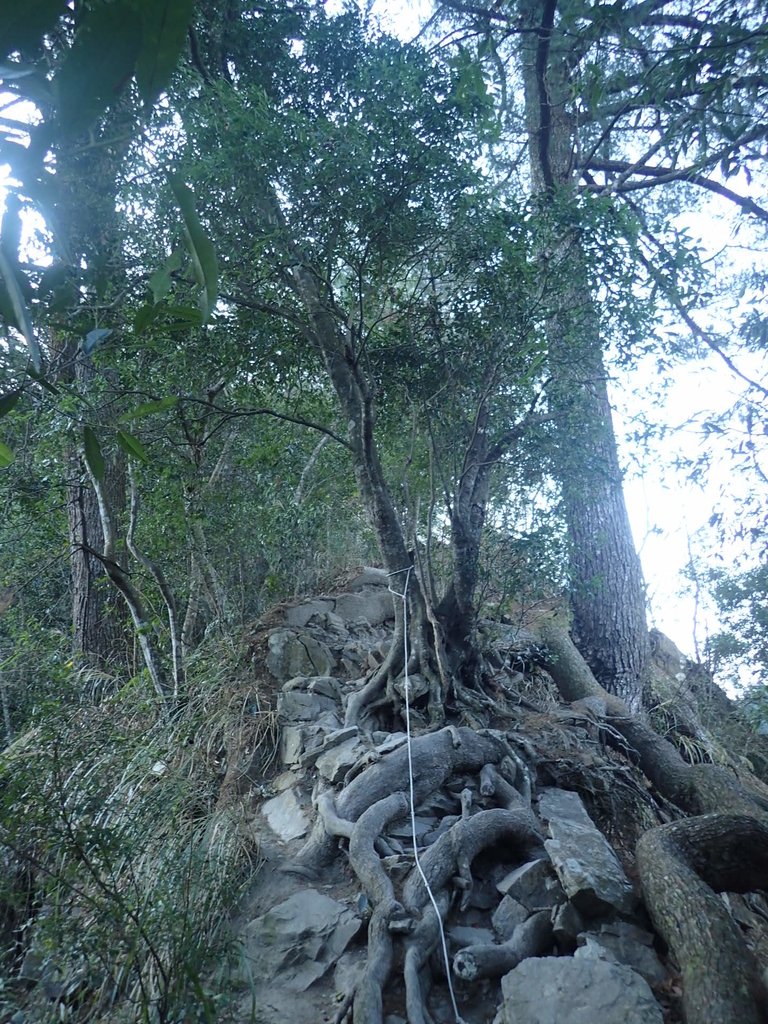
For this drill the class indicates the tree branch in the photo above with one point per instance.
(696, 330)
(656, 175)
(263, 411)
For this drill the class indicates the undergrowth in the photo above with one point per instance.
(122, 853)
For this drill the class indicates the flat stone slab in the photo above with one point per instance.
(334, 763)
(507, 916)
(561, 990)
(285, 816)
(300, 706)
(374, 605)
(299, 940)
(292, 654)
(623, 943)
(301, 614)
(587, 867)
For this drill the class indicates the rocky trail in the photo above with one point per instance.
(525, 816)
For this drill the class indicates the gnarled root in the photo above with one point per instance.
(463, 842)
(359, 703)
(436, 756)
(452, 854)
(419, 948)
(682, 867)
(368, 868)
(531, 938)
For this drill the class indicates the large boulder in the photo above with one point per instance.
(294, 654)
(556, 990)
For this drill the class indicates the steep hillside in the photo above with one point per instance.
(255, 862)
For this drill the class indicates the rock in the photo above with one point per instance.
(299, 940)
(298, 706)
(553, 990)
(404, 829)
(285, 816)
(292, 739)
(372, 605)
(285, 780)
(484, 894)
(335, 624)
(325, 686)
(507, 916)
(587, 867)
(334, 763)
(332, 739)
(300, 615)
(291, 654)
(623, 943)
(392, 742)
(566, 924)
(534, 885)
(369, 577)
(417, 686)
(350, 970)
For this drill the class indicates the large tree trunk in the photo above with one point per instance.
(608, 598)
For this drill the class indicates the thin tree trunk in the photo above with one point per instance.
(98, 621)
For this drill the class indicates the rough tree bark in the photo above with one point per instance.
(607, 590)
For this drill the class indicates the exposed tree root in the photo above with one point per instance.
(682, 866)
(368, 868)
(531, 938)
(459, 846)
(436, 756)
(359, 703)
(419, 948)
(452, 856)
(697, 789)
(682, 863)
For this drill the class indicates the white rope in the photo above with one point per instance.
(407, 688)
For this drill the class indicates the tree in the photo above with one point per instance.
(594, 96)
(72, 65)
(377, 274)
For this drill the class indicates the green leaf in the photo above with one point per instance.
(160, 281)
(132, 446)
(165, 24)
(148, 408)
(9, 402)
(20, 311)
(93, 455)
(145, 315)
(6, 455)
(183, 317)
(95, 338)
(98, 66)
(199, 245)
(25, 24)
